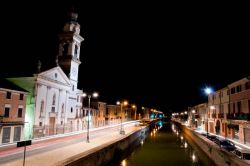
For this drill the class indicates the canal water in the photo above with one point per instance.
(165, 144)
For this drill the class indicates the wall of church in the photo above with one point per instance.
(50, 110)
(71, 109)
(71, 112)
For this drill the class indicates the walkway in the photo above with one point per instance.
(61, 156)
(237, 143)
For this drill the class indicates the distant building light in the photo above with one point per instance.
(212, 107)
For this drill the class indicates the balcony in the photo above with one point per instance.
(221, 115)
(239, 116)
(1, 118)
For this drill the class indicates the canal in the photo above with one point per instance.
(165, 144)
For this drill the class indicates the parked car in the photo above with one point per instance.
(225, 144)
(211, 137)
(243, 154)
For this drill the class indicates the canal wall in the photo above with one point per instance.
(102, 155)
(219, 156)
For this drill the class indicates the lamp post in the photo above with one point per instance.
(208, 91)
(122, 131)
(193, 118)
(134, 107)
(95, 95)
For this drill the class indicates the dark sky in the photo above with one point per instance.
(158, 55)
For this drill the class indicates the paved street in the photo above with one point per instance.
(58, 150)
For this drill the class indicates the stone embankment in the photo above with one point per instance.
(215, 153)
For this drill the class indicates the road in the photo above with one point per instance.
(11, 153)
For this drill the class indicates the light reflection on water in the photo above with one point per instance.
(166, 145)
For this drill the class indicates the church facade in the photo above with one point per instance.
(54, 104)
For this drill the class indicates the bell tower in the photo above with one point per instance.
(69, 48)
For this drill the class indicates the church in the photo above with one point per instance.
(54, 103)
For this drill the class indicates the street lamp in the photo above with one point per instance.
(94, 95)
(134, 107)
(122, 131)
(208, 91)
(193, 118)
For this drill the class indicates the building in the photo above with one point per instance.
(145, 113)
(130, 112)
(114, 114)
(54, 101)
(229, 111)
(12, 112)
(99, 115)
(217, 111)
(239, 111)
(197, 116)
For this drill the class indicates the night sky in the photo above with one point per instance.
(157, 55)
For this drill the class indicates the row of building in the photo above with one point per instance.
(227, 112)
(22, 118)
(19, 119)
(49, 102)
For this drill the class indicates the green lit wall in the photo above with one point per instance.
(28, 84)
(29, 118)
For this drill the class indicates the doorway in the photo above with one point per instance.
(51, 125)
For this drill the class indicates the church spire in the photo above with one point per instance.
(39, 65)
(71, 24)
(69, 47)
(72, 15)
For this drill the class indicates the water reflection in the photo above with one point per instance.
(124, 162)
(182, 142)
(165, 145)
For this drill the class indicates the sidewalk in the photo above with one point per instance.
(237, 143)
(74, 151)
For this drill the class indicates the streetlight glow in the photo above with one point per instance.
(84, 94)
(125, 103)
(122, 131)
(134, 107)
(94, 95)
(208, 90)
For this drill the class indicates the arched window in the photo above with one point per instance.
(54, 99)
(62, 108)
(84, 112)
(41, 108)
(71, 109)
(65, 49)
(76, 51)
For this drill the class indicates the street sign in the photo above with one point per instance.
(23, 143)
